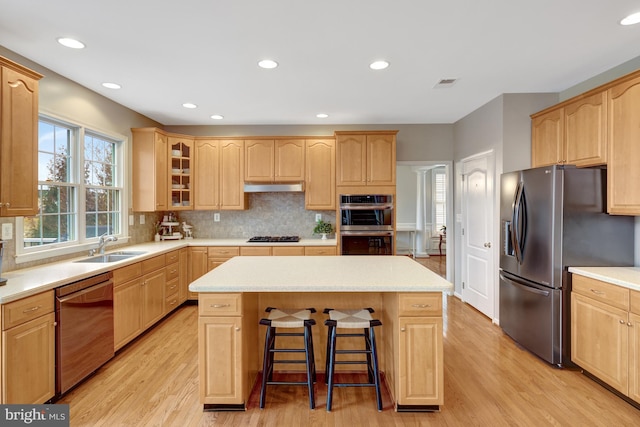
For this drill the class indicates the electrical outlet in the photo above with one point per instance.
(7, 231)
(132, 220)
(216, 217)
(142, 219)
(318, 217)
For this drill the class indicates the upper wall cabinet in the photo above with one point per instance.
(150, 170)
(573, 134)
(585, 131)
(547, 147)
(366, 158)
(219, 169)
(320, 180)
(18, 140)
(180, 157)
(274, 160)
(623, 173)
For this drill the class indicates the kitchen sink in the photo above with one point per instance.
(112, 257)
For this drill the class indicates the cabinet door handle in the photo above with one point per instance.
(402, 329)
(237, 328)
(29, 310)
(622, 322)
(220, 305)
(629, 324)
(597, 292)
(421, 305)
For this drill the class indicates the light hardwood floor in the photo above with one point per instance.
(489, 381)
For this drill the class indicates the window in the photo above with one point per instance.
(79, 190)
(439, 194)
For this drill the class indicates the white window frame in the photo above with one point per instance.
(36, 253)
(434, 172)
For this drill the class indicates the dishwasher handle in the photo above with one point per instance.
(109, 295)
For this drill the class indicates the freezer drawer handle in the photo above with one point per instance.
(524, 287)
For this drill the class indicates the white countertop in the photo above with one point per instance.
(321, 274)
(30, 281)
(628, 277)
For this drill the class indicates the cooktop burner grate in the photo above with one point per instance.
(274, 239)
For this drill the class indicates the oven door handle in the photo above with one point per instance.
(367, 233)
(368, 207)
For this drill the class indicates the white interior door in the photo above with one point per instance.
(477, 230)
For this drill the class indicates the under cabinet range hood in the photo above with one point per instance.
(267, 187)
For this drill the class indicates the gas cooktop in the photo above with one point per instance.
(274, 239)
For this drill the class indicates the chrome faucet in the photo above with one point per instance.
(103, 240)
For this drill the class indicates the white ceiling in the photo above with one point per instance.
(165, 53)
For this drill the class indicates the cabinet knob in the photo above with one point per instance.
(629, 324)
(487, 245)
(237, 328)
(622, 322)
(402, 329)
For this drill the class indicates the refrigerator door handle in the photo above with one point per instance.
(524, 287)
(516, 223)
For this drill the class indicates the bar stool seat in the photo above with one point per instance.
(288, 319)
(352, 319)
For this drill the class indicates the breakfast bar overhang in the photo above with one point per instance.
(406, 296)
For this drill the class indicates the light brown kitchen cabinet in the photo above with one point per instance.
(604, 333)
(279, 160)
(585, 131)
(172, 285)
(224, 335)
(366, 158)
(255, 251)
(623, 173)
(320, 250)
(127, 304)
(320, 174)
(153, 287)
(28, 350)
(547, 132)
(149, 178)
(184, 274)
(203, 259)
(18, 139)
(420, 370)
(287, 251)
(218, 183)
(180, 157)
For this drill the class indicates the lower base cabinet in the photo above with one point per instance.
(605, 333)
(28, 350)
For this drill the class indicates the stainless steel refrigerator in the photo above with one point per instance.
(553, 218)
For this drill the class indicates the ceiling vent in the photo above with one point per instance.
(445, 83)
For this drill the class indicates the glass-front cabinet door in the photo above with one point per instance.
(180, 158)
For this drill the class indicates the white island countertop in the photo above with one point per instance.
(321, 274)
(627, 277)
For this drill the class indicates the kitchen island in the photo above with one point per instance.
(406, 296)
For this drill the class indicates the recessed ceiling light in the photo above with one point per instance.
(268, 64)
(111, 85)
(189, 105)
(322, 115)
(217, 117)
(72, 43)
(631, 19)
(378, 65)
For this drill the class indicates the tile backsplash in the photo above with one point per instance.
(269, 214)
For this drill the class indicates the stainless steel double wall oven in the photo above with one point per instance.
(366, 224)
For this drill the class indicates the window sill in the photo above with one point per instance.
(61, 251)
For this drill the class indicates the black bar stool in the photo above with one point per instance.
(288, 319)
(352, 319)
